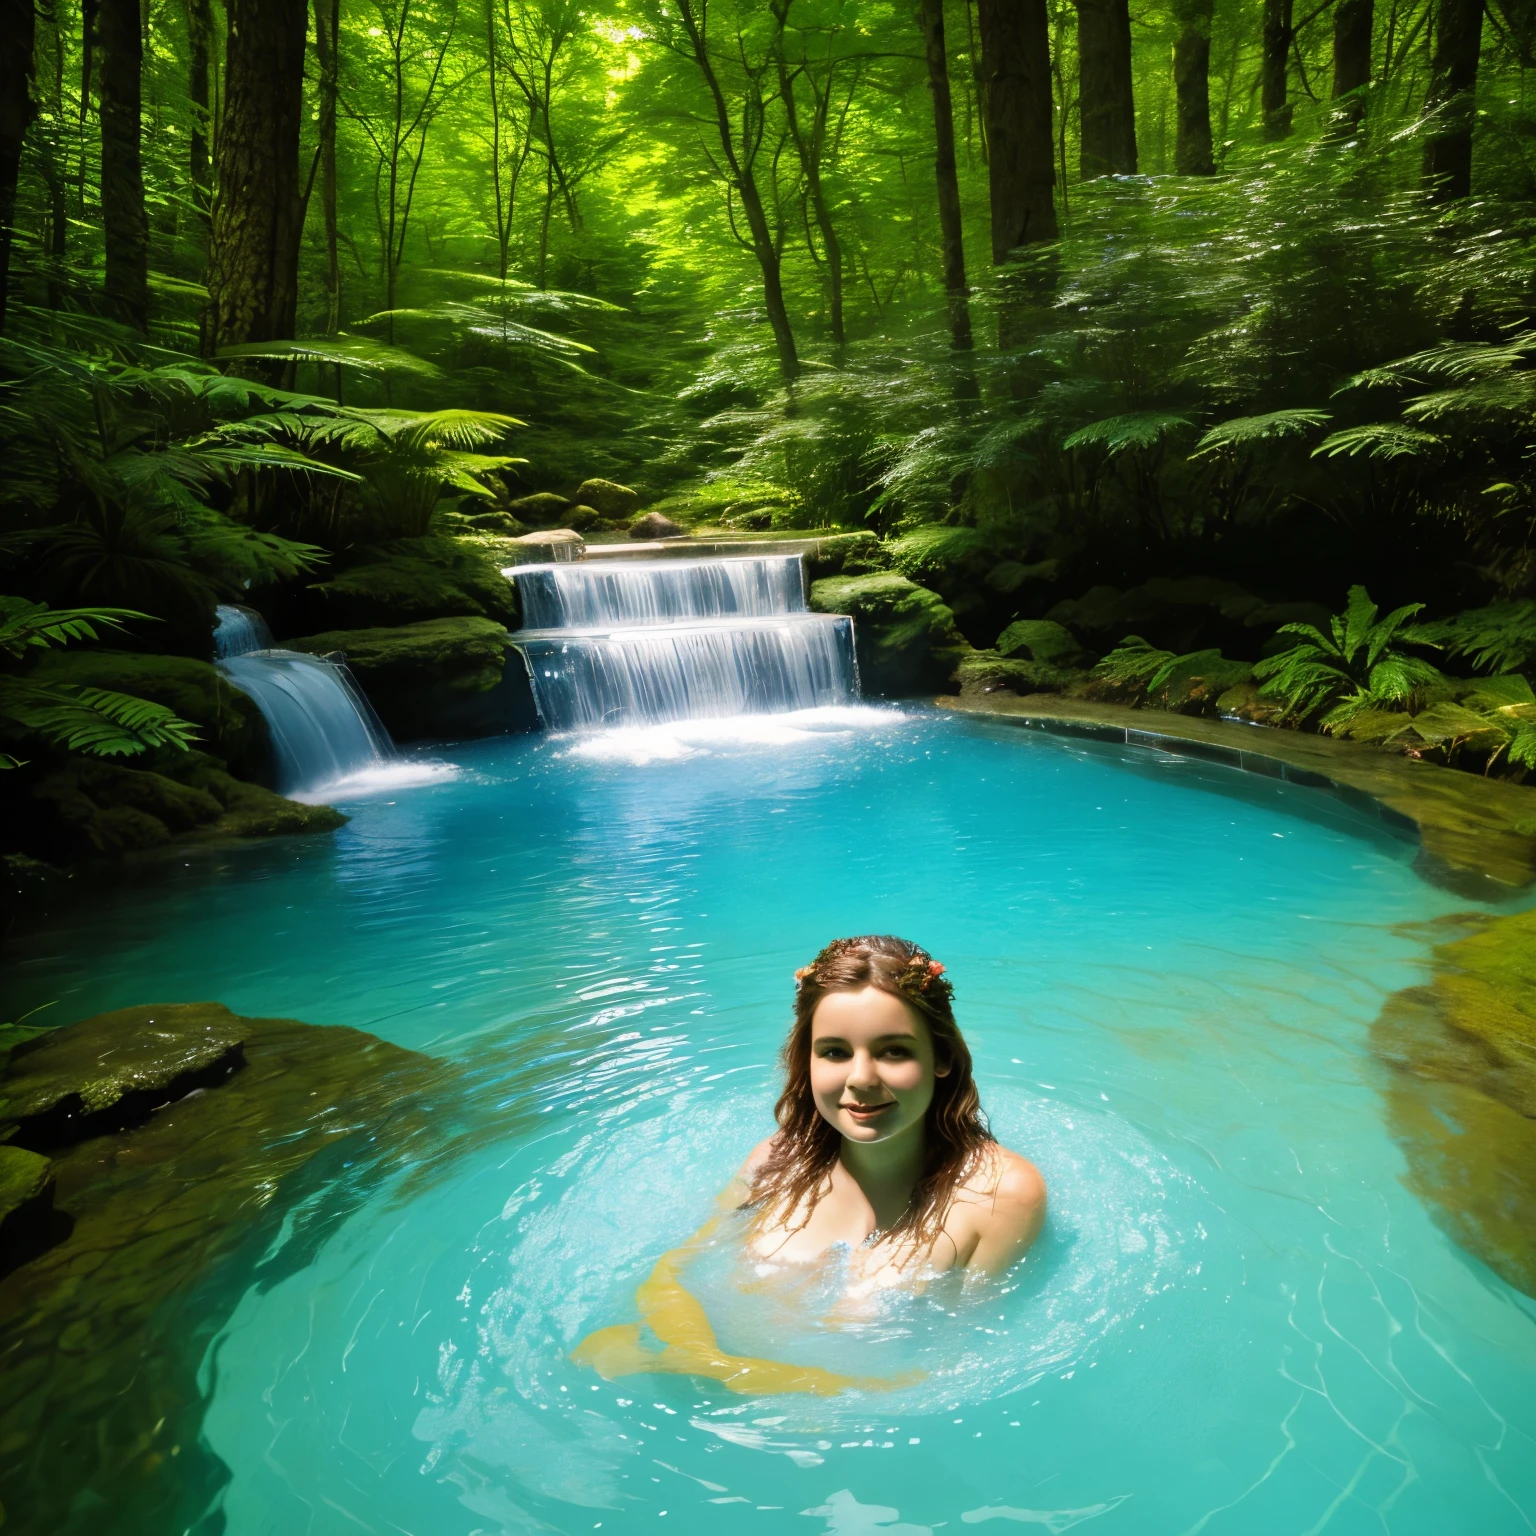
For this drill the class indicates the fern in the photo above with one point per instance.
(95, 721)
(1249, 431)
(1500, 637)
(1138, 430)
(1355, 667)
(26, 625)
(1380, 440)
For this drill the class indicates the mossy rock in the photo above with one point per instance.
(24, 1176)
(26, 1206)
(905, 635)
(413, 580)
(418, 675)
(113, 1071)
(89, 807)
(846, 554)
(543, 509)
(608, 499)
(173, 1220)
(987, 672)
(1042, 640)
(230, 724)
(1462, 1096)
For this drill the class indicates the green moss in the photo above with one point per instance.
(415, 579)
(906, 636)
(23, 1177)
(1041, 640)
(845, 554)
(987, 671)
(230, 724)
(417, 674)
(608, 499)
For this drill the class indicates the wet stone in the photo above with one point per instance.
(114, 1071)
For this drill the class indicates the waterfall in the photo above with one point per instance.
(237, 631)
(323, 729)
(654, 641)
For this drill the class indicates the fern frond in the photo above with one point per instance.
(96, 721)
(1380, 440)
(1247, 431)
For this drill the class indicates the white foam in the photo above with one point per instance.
(639, 745)
(383, 779)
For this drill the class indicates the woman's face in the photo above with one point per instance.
(872, 1064)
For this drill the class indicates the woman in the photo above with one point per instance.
(881, 1153)
(881, 1146)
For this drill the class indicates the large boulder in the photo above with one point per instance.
(229, 722)
(424, 679)
(411, 580)
(905, 635)
(608, 499)
(88, 807)
(655, 526)
(843, 554)
(544, 548)
(1042, 640)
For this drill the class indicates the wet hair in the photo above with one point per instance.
(797, 1171)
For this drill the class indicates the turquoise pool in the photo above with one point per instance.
(1238, 1321)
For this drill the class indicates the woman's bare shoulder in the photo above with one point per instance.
(1007, 1196)
(756, 1158)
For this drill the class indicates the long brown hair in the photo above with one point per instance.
(797, 1170)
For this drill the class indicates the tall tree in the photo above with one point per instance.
(328, 57)
(509, 147)
(1450, 104)
(1107, 105)
(17, 109)
(951, 235)
(1352, 27)
(1274, 68)
(125, 225)
(1192, 153)
(1016, 76)
(253, 256)
(199, 46)
(740, 149)
(810, 138)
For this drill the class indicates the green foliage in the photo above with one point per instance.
(1144, 673)
(1500, 637)
(1358, 665)
(96, 721)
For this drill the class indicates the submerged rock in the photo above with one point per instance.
(103, 1335)
(655, 526)
(906, 637)
(114, 1071)
(608, 499)
(1461, 1097)
(418, 676)
(26, 1206)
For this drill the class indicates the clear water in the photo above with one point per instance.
(237, 631)
(1238, 1321)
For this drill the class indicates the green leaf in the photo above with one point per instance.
(1381, 440)
(1247, 431)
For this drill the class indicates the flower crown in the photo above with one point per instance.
(921, 978)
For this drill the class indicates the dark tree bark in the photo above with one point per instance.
(1279, 33)
(253, 254)
(327, 30)
(125, 226)
(810, 143)
(1106, 104)
(199, 42)
(1452, 93)
(931, 17)
(1192, 153)
(741, 177)
(1021, 149)
(17, 109)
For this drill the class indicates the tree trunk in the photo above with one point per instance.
(253, 257)
(327, 29)
(125, 226)
(809, 148)
(17, 109)
(1192, 155)
(1352, 22)
(1106, 105)
(1452, 93)
(1278, 36)
(740, 177)
(199, 41)
(1021, 170)
(950, 232)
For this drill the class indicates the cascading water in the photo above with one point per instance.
(238, 631)
(324, 731)
(665, 640)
